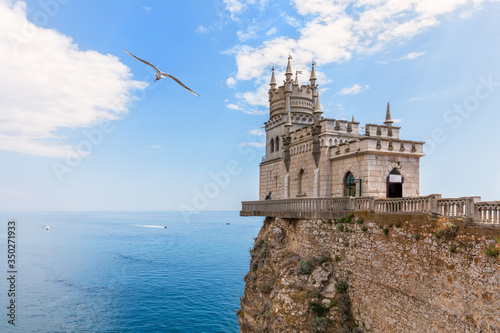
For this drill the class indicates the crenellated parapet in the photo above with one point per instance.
(301, 100)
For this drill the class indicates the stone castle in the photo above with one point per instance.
(349, 245)
(308, 156)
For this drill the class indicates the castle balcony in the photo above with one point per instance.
(471, 208)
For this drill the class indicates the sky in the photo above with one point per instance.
(83, 126)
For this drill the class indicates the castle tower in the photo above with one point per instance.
(291, 106)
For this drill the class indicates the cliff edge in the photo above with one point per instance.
(373, 273)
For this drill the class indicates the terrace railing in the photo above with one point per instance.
(311, 208)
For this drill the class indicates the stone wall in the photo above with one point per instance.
(272, 179)
(373, 170)
(438, 281)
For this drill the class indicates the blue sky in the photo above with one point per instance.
(83, 127)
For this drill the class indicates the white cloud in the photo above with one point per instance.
(411, 56)
(354, 90)
(290, 20)
(202, 30)
(231, 82)
(272, 31)
(47, 84)
(246, 109)
(253, 144)
(353, 27)
(234, 7)
(156, 147)
(256, 98)
(147, 9)
(257, 132)
(233, 107)
(250, 33)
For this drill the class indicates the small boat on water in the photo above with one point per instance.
(47, 228)
(228, 223)
(165, 226)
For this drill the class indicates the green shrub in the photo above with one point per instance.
(324, 259)
(319, 324)
(337, 258)
(386, 231)
(360, 221)
(492, 251)
(452, 249)
(319, 308)
(340, 226)
(349, 218)
(416, 236)
(364, 228)
(266, 289)
(341, 286)
(306, 266)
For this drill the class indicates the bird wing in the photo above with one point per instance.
(179, 82)
(144, 61)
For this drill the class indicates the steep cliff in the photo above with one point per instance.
(373, 273)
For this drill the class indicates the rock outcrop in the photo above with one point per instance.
(373, 273)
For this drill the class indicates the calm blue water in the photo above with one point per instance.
(123, 272)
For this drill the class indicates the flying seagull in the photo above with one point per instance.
(160, 75)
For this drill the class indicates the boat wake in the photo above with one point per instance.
(150, 226)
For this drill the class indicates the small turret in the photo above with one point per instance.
(317, 107)
(312, 80)
(388, 121)
(313, 74)
(289, 73)
(273, 80)
(297, 77)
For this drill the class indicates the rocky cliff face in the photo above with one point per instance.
(372, 273)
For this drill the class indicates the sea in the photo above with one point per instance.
(124, 271)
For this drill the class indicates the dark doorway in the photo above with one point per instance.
(395, 184)
(349, 185)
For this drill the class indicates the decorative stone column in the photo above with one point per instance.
(286, 192)
(316, 184)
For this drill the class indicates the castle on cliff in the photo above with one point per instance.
(308, 156)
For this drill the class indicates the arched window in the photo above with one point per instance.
(271, 145)
(330, 142)
(395, 184)
(277, 144)
(299, 181)
(349, 185)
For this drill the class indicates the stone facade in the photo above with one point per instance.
(344, 162)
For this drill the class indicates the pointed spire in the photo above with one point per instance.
(317, 106)
(296, 78)
(273, 80)
(352, 119)
(289, 67)
(388, 121)
(313, 73)
(289, 72)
